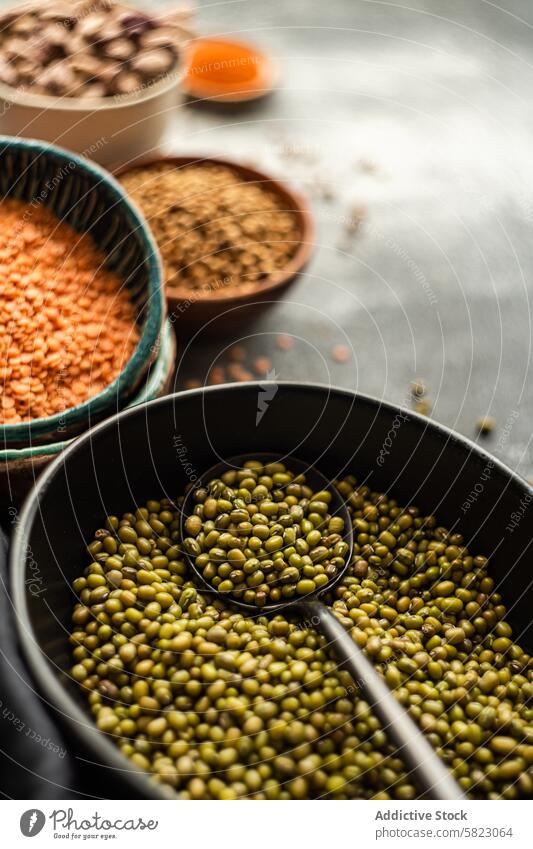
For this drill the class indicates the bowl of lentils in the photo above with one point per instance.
(101, 78)
(173, 692)
(231, 237)
(82, 306)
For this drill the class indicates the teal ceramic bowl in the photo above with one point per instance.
(88, 198)
(19, 467)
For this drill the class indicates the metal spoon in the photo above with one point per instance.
(427, 770)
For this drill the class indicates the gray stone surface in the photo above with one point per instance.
(422, 118)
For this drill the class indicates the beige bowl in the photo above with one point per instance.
(110, 130)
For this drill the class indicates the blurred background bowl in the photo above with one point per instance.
(87, 197)
(222, 309)
(110, 130)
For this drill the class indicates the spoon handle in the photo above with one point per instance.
(427, 770)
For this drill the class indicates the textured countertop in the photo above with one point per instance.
(410, 130)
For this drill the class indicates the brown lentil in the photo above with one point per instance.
(212, 225)
(85, 48)
(284, 342)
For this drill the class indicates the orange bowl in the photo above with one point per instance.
(228, 71)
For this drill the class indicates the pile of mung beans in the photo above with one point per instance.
(261, 534)
(217, 705)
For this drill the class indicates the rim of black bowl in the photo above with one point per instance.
(155, 299)
(56, 695)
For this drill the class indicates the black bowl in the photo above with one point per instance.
(157, 448)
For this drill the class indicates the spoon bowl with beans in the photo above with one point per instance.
(269, 535)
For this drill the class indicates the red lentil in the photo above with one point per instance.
(261, 366)
(340, 354)
(284, 341)
(67, 325)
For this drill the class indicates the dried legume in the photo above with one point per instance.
(217, 705)
(261, 534)
(67, 325)
(86, 48)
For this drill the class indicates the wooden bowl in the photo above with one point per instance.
(217, 312)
